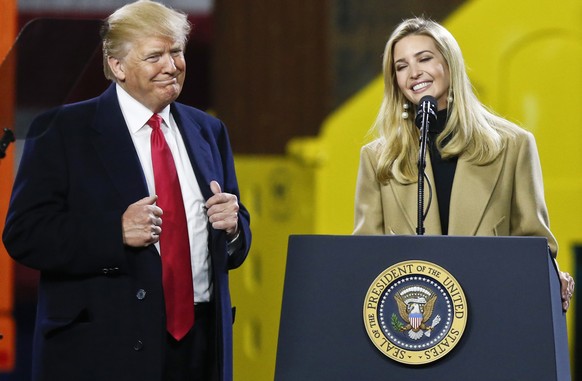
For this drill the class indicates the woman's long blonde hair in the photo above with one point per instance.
(475, 132)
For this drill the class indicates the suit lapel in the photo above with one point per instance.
(198, 149)
(472, 189)
(115, 148)
(407, 199)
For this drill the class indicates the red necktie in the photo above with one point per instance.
(174, 242)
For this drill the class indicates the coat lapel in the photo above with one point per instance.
(472, 188)
(115, 148)
(407, 200)
(198, 149)
(471, 193)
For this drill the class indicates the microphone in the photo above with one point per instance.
(425, 115)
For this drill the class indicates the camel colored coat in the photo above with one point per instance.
(503, 198)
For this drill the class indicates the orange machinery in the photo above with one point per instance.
(8, 27)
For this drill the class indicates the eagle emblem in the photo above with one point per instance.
(415, 306)
(403, 310)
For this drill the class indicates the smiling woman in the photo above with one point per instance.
(421, 69)
(485, 169)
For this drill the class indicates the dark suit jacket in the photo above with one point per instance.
(100, 303)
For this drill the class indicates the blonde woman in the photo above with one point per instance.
(484, 170)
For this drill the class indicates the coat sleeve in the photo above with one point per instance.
(529, 216)
(368, 213)
(237, 257)
(52, 222)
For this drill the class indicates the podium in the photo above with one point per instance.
(515, 328)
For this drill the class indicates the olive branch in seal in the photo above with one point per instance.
(396, 323)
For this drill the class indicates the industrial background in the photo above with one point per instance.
(298, 85)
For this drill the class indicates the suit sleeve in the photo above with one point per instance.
(48, 226)
(237, 257)
(530, 215)
(368, 201)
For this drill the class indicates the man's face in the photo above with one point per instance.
(152, 72)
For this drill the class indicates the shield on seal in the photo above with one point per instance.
(415, 319)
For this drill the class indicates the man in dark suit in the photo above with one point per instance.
(90, 209)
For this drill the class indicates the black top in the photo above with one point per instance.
(444, 170)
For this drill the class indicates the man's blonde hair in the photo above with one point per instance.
(143, 18)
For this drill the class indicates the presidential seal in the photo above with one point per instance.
(415, 312)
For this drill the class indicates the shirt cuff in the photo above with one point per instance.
(234, 244)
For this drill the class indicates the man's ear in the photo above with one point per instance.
(116, 66)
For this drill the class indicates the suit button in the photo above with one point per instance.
(141, 294)
(138, 346)
(105, 271)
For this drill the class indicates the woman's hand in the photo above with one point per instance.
(567, 289)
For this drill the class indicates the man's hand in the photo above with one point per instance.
(141, 223)
(222, 210)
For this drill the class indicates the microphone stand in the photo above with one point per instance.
(421, 167)
(5, 140)
(427, 112)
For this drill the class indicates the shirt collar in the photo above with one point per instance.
(136, 114)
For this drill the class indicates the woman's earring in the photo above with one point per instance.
(405, 106)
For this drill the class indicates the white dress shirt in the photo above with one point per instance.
(136, 117)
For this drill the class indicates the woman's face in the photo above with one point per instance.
(421, 69)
